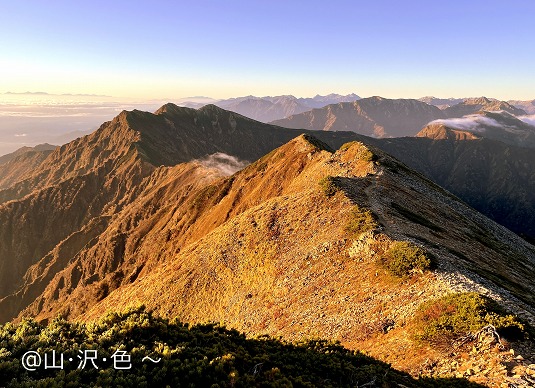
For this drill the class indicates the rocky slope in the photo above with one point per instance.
(374, 116)
(274, 255)
(22, 162)
(266, 251)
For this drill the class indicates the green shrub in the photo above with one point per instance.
(328, 185)
(189, 356)
(360, 221)
(443, 320)
(403, 259)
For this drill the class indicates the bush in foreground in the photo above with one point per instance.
(446, 319)
(328, 186)
(360, 221)
(190, 356)
(403, 259)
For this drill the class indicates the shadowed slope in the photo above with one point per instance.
(495, 178)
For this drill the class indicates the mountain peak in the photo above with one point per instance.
(441, 131)
(211, 108)
(171, 108)
(478, 100)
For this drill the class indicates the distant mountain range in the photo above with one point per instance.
(475, 105)
(528, 106)
(443, 103)
(373, 116)
(382, 117)
(268, 109)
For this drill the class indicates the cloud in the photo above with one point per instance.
(527, 119)
(475, 123)
(21, 134)
(226, 164)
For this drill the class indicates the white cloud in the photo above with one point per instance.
(528, 119)
(474, 123)
(21, 134)
(226, 164)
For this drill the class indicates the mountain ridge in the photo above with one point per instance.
(130, 214)
(373, 116)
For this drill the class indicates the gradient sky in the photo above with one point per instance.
(173, 49)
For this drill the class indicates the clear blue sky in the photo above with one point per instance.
(172, 49)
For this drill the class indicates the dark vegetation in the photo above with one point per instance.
(445, 320)
(191, 356)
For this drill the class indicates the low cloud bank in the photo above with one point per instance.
(528, 119)
(474, 123)
(226, 164)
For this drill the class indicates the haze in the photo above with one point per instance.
(95, 59)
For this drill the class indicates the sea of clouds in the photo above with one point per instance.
(528, 119)
(479, 123)
(28, 120)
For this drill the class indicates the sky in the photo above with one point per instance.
(173, 49)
